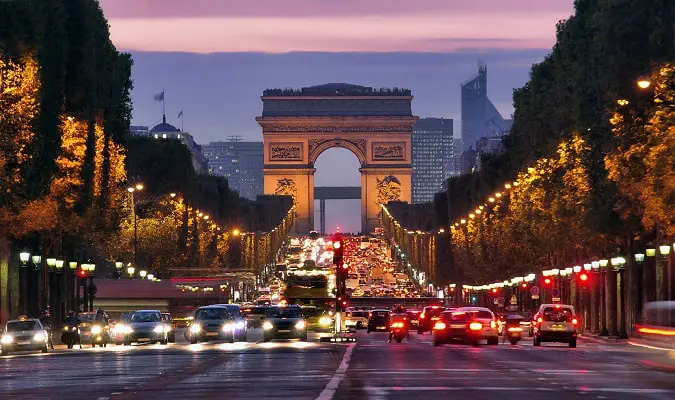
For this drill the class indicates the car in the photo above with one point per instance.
(556, 323)
(92, 332)
(414, 318)
(318, 319)
(378, 320)
(239, 321)
(284, 322)
(452, 326)
(145, 326)
(171, 333)
(356, 319)
(212, 323)
(482, 326)
(428, 318)
(255, 316)
(24, 334)
(120, 328)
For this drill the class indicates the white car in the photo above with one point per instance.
(24, 334)
(555, 323)
(482, 325)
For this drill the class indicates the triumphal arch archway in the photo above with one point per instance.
(374, 124)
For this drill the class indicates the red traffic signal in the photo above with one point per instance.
(82, 273)
(524, 285)
(547, 281)
(494, 290)
(583, 277)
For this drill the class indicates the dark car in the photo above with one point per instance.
(413, 318)
(378, 320)
(428, 318)
(451, 326)
(255, 316)
(284, 323)
(212, 323)
(239, 321)
(145, 326)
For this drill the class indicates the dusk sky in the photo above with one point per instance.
(215, 57)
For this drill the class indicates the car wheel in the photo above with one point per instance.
(399, 340)
(536, 342)
(420, 332)
(437, 342)
(193, 340)
(573, 344)
(474, 342)
(493, 341)
(514, 342)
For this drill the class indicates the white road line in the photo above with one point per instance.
(332, 385)
(383, 390)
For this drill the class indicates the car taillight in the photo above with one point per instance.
(422, 316)
(539, 319)
(515, 329)
(574, 321)
(439, 326)
(493, 324)
(397, 325)
(475, 326)
(349, 314)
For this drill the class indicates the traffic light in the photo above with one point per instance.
(547, 281)
(524, 285)
(338, 251)
(583, 277)
(494, 291)
(82, 273)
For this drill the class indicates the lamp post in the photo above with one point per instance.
(91, 290)
(132, 190)
(130, 271)
(71, 284)
(619, 265)
(603, 263)
(118, 269)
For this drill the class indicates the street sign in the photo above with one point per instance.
(514, 300)
(555, 294)
(501, 301)
(534, 291)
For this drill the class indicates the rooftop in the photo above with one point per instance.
(338, 89)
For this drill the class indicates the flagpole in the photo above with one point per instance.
(182, 120)
(164, 104)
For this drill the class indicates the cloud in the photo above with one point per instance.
(420, 32)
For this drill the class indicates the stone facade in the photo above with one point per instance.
(374, 125)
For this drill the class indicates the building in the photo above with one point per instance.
(168, 131)
(240, 162)
(480, 118)
(432, 157)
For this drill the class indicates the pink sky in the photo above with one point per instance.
(277, 26)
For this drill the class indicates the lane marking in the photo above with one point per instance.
(383, 390)
(331, 387)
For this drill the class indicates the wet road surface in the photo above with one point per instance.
(370, 369)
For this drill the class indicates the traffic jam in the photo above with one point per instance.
(299, 302)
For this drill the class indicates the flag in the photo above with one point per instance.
(180, 114)
(159, 96)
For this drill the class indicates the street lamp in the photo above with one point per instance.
(236, 232)
(639, 257)
(119, 265)
(72, 265)
(130, 271)
(143, 273)
(59, 265)
(151, 277)
(664, 250)
(604, 262)
(650, 252)
(51, 262)
(24, 257)
(132, 190)
(643, 82)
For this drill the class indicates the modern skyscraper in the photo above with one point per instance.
(480, 118)
(432, 157)
(240, 162)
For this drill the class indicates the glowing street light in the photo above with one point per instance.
(143, 273)
(643, 82)
(130, 271)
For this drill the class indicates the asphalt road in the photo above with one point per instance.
(369, 369)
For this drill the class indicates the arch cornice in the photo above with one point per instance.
(356, 146)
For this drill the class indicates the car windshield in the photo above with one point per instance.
(455, 316)
(17, 326)
(212, 313)
(145, 317)
(360, 314)
(434, 311)
(481, 314)
(562, 314)
(278, 312)
(258, 311)
(380, 314)
(88, 317)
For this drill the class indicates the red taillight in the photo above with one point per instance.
(475, 326)
(349, 314)
(422, 316)
(439, 326)
(397, 325)
(574, 321)
(515, 329)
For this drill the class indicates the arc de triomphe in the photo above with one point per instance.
(374, 124)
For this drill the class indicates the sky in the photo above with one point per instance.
(213, 58)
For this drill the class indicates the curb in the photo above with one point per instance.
(603, 339)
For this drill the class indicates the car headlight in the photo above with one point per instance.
(39, 337)
(267, 326)
(227, 327)
(159, 329)
(167, 328)
(196, 328)
(95, 330)
(300, 325)
(6, 339)
(325, 321)
(240, 325)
